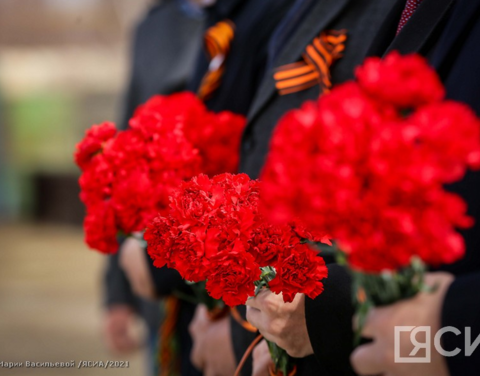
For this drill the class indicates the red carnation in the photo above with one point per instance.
(171, 139)
(299, 270)
(218, 142)
(214, 232)
(402, 81)
(95, 138)
(96, 181)
(135, 200)
(233, 275)
(207, 217)
(356, 166)
(215, 136)
(269, 242)
(452, 128)
(100, 228)
(156, 238)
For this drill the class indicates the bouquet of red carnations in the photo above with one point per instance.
(128, 176)
(367, 163)
(214, 232)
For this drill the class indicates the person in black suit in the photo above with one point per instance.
(308, 21)
(165, 45)
(253, 24)
(447, 32)
(226, 78)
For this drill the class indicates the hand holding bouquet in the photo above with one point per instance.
(368, 163)
(214, 232)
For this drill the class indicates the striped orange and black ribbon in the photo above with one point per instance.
(168, 357)
(217, 42)
(314, 69)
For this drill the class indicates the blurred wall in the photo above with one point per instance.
(63, 66)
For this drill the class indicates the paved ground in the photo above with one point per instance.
(49, 302)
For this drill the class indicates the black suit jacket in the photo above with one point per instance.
(165, 45)
(245, 63)
(326, 317)
(163, 56)
(361, 19)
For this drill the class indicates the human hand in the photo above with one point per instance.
(262, 360)
(133, 262)
(280, 322)
(212, 350)
(117, 329)
(423, 310)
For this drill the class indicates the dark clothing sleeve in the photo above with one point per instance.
(117, 291)
(117, 288)
(165, 280)
(457, 59)
(329, 322)
(461, 310)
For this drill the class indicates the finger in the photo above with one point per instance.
(124, 344)
(252, 302)
(260, 367)
(259, 300)
(200, 318)
(367, 360)
(265, 328)
(192, 330)
(254, 316)
(197, 326)
(438, 280)
(260, 321)
(202, 312)
(210, 371)
(196, 357)
(260, 350)
(374, 321)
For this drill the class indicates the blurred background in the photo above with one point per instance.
(63, 66)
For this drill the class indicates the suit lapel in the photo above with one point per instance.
(421, 27)
(317, 20)
(418, 31)
(386, 33)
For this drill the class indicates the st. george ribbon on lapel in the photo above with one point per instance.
(314, 68)
(318, 18)
(217, 41)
